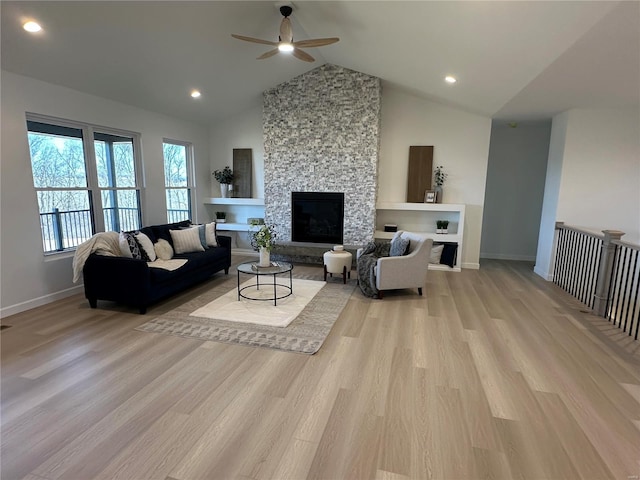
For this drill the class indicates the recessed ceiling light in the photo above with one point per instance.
(195, 94)
(31, 27)
(450, 79)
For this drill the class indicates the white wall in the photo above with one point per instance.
(27, 277)
(461, 145)
(515, 190)
(593, 176)
(243, 130)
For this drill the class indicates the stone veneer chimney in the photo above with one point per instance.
(321, 134)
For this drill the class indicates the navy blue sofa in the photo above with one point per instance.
(132, 282)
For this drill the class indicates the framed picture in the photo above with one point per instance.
(430, 196)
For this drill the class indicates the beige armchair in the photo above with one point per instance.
(407, 271)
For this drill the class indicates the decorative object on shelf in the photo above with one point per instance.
(442, 226)
(430, 196)
(225, 177)
(419, 172)
(255, 221)
(390, 227)
(221, 217)
(263, 240)
(439, 177)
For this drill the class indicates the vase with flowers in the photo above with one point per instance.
(439, 176)
(225, 177)
(264, 240)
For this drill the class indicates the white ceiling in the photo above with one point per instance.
(515, 60)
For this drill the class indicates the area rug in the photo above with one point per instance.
(262, 311)
(305, 334)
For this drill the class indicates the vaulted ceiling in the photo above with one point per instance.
(514, 60)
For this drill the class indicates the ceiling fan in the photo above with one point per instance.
(285, 41)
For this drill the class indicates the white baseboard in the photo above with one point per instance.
(508, 256)
(471, 266)
(545, 275)
(38, 302)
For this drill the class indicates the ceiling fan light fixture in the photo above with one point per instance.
(31, 26)
(285, 47)
(195, 94)
(450, 79)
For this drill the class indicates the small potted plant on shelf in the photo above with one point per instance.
(225, 177)
(221, 217)
(263, 240)
(442, 226)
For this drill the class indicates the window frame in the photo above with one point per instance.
(190, 168)
(91, 170)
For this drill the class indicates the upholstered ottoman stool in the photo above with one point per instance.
(337, 262)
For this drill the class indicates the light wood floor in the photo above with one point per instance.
(492, 374)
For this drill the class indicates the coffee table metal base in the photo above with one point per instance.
(288, 289)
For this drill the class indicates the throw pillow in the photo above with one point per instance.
(211, 234)
(399, 247)
(130, 247)
(147, 245)
(186, 241)
(436, 253)
(449, 254)
(201, 234)
(163, 249)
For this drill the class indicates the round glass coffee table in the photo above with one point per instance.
(276, 268)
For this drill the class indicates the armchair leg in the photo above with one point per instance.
(325, 273)
(344, 275)
(420, 291)
(380, 294)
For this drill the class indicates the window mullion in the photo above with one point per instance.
(92, 178)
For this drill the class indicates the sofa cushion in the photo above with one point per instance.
(211, 234)
(147, 245)
(186, 241)
(130, 246)
(163, 249)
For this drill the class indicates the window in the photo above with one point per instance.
(74, 178)
(115, 164)
(177, 164)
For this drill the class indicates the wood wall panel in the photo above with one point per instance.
(419, 173)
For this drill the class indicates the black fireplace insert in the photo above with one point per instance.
(317, 217)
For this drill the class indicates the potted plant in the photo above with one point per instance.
(439, 176)
(263, 240)
(442, 226)
(221, 217)
(225, 177)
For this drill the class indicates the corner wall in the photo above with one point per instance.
(515, 190)
(28, 278)
(321, 134)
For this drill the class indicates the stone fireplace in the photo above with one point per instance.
(321, 134)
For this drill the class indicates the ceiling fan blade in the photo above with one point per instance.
(315, 42)
(301, 55)
(268, 54)
(254, 40)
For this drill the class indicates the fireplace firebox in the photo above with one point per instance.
(317, 217)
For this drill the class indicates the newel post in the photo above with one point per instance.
(607, 257)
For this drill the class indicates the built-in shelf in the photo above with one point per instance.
(422, 218)
(233, 227)
(234, 201)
